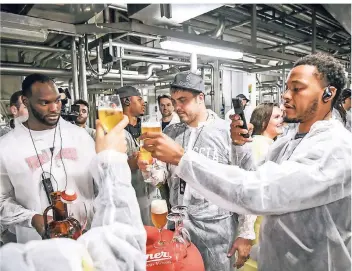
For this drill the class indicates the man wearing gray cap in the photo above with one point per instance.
(133, 106)
(212, 229)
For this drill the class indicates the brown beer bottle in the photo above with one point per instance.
(62, 225)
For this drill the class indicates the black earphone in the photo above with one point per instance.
(127, 101)
(327, 94)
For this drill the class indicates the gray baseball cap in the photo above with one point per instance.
(188, 80)
(127, 91)
(243, 97)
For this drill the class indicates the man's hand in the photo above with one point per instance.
(133, 161)
(114, 140)
(38, 223)
(236, 130)
(162, 147)
(243, 246)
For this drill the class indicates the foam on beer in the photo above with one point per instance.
(107, 108)
(159, 206)
(151, 124)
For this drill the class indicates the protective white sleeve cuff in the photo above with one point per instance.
(29, 214)
(246, 226)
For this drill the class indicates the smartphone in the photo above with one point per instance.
(238, 107)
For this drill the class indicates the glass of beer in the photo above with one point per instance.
(159, 219)
(110, 111)
(150, 123)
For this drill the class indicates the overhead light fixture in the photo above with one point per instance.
(23, 34)
(199, 48)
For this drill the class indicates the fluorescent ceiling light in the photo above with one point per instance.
(199, 49)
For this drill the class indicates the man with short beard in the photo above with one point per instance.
(83, 116)
(303, 188)
(43, 147)
(167, 110)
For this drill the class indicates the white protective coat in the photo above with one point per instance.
(116, 241)
(21, 189)
(303, 189)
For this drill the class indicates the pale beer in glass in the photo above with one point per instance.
(110, 111)
(159, 218)
(109, 117)
(148, 126)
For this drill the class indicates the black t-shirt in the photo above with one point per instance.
(164, 124)
(135, 131)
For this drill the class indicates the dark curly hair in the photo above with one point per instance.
(83, 102)
(330, 70)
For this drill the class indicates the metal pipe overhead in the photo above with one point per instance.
(140, 35)
(254, 26)
(74, 69)
(145, 76)
(151, 50)
(20, 70)
(35, 48)
(194, 65)
(314, 30)
(17, 64)
(82, 70)
(155, 60)
(285, 66)
(245, 34)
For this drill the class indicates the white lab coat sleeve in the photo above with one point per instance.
(117, 237)
(116, 241)
(246, 226)
(242, 156)
(159, 173)
(11, 212)
(318, 175)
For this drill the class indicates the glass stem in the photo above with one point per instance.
(161, 236)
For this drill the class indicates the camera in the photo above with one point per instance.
(68, 114)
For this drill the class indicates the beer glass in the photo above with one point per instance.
(159, 214)
(110, 111)
(179, 244)
(150, 123)
(179, 228)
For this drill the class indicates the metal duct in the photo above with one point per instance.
(20, 70)
(341, 13)
(264, 37)
(218, 31)
(145, 76)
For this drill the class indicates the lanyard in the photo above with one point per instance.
(182, 182)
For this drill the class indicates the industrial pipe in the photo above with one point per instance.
(145, 76)
(194, 65)
(155, 60)
(218, 31)
(74, 69)
(20, 70)
(82, 70)
(151, 50)
(35, 48)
